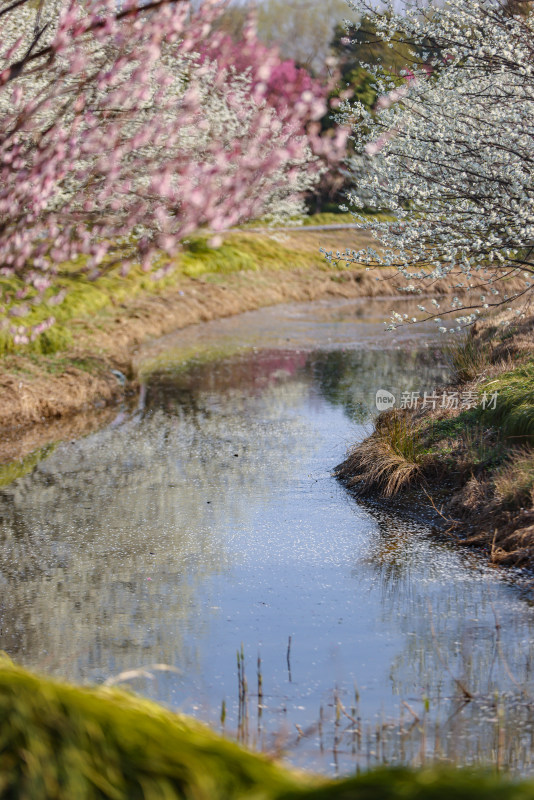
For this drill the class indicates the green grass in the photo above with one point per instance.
(513, 416)
(402, 438)
(468, 358)
(342, 218)
(200, 258)
(59, 742)
(423, 784)
(320, 218)
(240, 252)
(328, 218)
(511, 421)
(450, 427)
(465, 433)
(86, 299)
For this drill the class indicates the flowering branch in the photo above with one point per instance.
(128, 130)
(450, 153)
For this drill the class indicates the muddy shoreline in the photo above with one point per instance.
(414, 506)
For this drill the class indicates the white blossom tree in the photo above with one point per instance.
(449, 152)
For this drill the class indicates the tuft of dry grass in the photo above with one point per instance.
(389, 460)
(468, 358)
(490, 348)
(514, 483)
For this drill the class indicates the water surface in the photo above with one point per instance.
(208, 521)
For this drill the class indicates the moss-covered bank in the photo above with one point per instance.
(471, 464)
(58, 742)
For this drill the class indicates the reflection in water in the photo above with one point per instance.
(210, 519)
(471, 685)
(104, 544)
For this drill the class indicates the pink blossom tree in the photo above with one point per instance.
(124, 131)
(298, 99)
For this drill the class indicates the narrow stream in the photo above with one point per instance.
(207, 521)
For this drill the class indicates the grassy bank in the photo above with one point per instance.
(58, 742)
(239, 252)
(472, 463)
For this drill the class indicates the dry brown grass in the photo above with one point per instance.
(514, 483)
(517, 341)
(389, 460)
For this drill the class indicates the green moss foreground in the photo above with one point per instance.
(58, 741)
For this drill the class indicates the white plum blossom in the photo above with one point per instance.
(451, 150)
